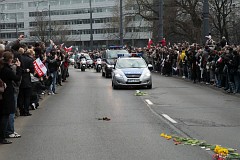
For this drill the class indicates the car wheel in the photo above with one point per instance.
(97, 69)
(114, 86)
(149, 86)
(106, 75)
(103, 74)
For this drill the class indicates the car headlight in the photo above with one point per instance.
(118, 75)
(148, 74)
(110, 66)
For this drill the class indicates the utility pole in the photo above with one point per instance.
(160, 20)
(121, 23)
(91, 26)
(205, 20)
(16, 21)
(49, 20)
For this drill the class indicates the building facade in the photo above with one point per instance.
(68, 21)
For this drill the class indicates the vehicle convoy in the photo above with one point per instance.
(109, 58)
(131, 71)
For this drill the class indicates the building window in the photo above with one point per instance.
(64, 2)
(100, 0)
(54, 3)
(76, 1)
(85, 1)
(11, 25)
(69, 12)
(32, 4)
(11, 6)
(2, 7)
(10, 35)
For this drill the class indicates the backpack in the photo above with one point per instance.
(2, 88)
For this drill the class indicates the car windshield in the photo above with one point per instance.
(117, 53)
(111, 61)
(87, 56)
(131, 63)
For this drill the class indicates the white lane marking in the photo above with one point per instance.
(149, 102)
(164, 115)
(169, 118)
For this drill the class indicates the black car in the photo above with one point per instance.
(109, 58)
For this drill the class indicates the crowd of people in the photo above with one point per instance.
(215, 64)
(21, 87)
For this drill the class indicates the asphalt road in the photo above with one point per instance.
(201, 111)
(67, 125)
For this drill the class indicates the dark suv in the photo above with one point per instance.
(109, 58)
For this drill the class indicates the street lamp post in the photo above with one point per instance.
(121, 23)
(160, 20)
(16, 25)
(91, 26)
(49, 21)
(205, 20)
(49, 16)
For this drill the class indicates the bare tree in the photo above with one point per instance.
(181, 17)
(221, 10)
(41, 30)
(60, 32)
(114, 24)
(189, 18)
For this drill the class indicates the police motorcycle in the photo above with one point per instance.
(83, 64)
(98, 64)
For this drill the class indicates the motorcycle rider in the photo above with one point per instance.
(82, 56)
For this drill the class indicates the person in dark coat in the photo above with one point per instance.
(14, 47)
(53, 65)
(7, 105)
(26, 85)
(38, 52)
(223, 42)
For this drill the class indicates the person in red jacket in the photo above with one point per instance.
(65, 68)
(163, 42)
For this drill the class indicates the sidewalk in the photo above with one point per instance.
(202, 84)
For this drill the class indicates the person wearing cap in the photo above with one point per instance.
(223, 42)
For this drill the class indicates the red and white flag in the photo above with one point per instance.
(39, 67)
(69, 49)
(150, 42)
